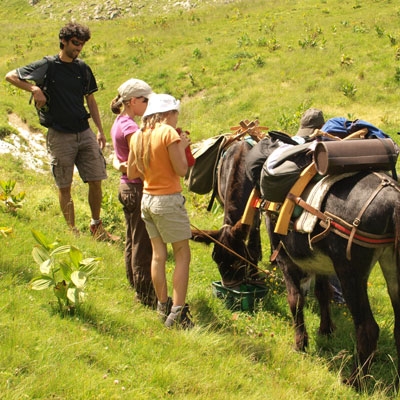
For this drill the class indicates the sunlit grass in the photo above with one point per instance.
(227, 61)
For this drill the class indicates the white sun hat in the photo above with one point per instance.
(160, 103)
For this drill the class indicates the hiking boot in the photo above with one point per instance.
(99, 233)
(179, 317)
(163, 309)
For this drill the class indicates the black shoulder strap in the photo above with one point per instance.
(49, 73)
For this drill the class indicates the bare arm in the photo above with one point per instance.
(38, 96)
(131, 169)
(177, 156)
(122, 165)
(94, 112)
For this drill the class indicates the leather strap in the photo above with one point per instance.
(276, 252)
(357, 220)
(300, 202)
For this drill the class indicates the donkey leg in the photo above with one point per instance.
(295, 297)
(354, 286)
(323, 293)
(366, 337)
(293, 276)
(390, 266)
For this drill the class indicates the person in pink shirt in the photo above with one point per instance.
(157, 153)
(131, 102)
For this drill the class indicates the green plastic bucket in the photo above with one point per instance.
(242, 299)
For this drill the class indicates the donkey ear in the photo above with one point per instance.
(205, 236)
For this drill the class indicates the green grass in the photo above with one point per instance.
(227, 61)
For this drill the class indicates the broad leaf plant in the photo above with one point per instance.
(10, 202)
(62, 269)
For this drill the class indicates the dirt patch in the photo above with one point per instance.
(26, 145)
(17, 122)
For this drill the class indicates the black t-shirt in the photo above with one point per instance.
(66, 89)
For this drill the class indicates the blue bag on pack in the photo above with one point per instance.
(342, 127)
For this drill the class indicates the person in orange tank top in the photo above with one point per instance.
(157, 155)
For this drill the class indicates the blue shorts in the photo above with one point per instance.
(81, 149)
(166, 216)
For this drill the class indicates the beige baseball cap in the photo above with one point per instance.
(134, 88)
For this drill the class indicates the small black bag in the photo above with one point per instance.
(276, 182)
(44, 115)
(256, 158)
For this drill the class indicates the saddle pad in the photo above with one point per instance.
(314, 195)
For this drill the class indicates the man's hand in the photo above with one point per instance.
(38, 96)
(101, 140)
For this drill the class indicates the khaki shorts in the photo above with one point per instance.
(81, 149)
(166, 216)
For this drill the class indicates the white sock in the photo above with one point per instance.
(175, 309)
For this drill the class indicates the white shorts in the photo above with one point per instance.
(166, 216)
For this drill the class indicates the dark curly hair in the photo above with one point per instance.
(74, 30)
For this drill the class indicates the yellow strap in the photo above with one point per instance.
(285, 214)
(273, 206)
(248, 215)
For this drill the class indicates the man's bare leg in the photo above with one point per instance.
(67, 205)
(95, 197)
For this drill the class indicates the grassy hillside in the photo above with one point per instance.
(227, 61)
(342, 57)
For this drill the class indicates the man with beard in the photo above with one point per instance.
(59, 86)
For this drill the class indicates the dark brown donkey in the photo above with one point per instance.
(345, 199)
